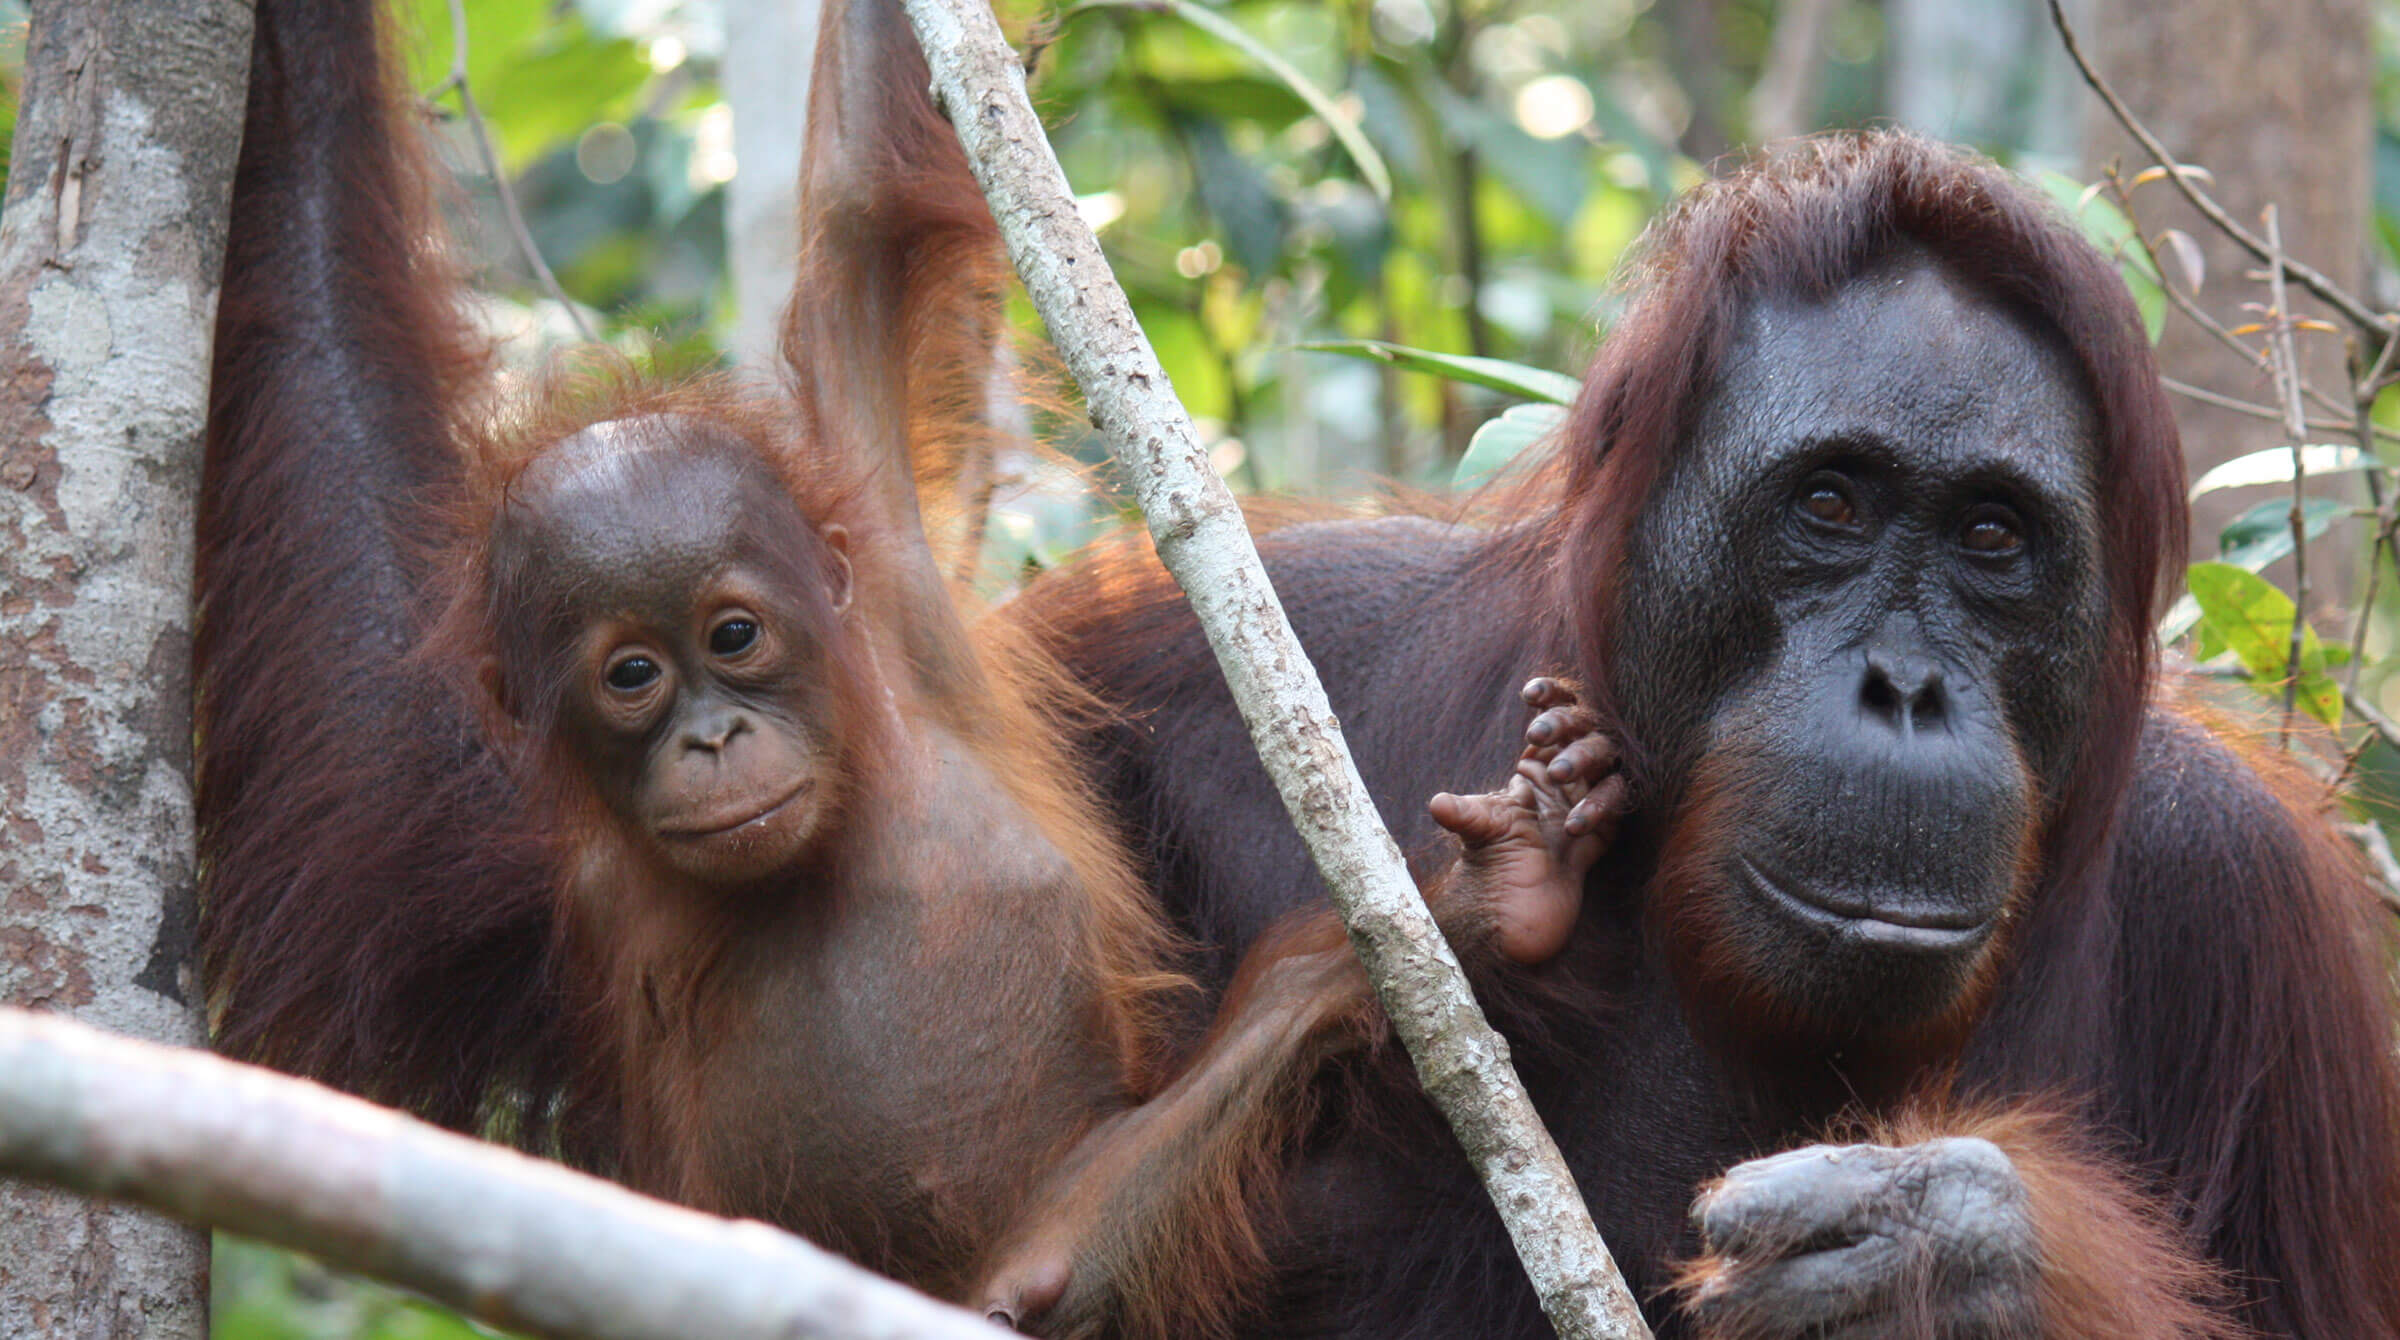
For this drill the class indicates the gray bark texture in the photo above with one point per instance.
(512, 1240)
(1198, 528)
(768, 44)
(110, 249)
(2275, 100)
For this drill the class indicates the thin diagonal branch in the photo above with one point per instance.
(2257, 411)
(2295, 434)
(2334, 295)
(456, 82)
(1202, 540)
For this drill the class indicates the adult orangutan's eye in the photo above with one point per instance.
(1828, 504)
(1993, 532)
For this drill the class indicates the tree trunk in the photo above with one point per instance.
(767, 46)
(109, 254)
(1989, 73)
(2276, 101)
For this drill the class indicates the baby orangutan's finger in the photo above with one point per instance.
(1544, 691)
(1561, 725)
(1587, 758)
(1476, 819)
(1598, 813)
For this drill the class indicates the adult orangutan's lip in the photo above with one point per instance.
(1886, 928)
(714, 828)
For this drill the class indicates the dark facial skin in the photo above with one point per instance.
(1866, 609)
(684, 608)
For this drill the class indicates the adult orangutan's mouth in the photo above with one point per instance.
(1846, 914)
(717, 826)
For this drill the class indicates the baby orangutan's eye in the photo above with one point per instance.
(632, 675)
(732, 637)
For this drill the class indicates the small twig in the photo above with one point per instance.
(2200, 316)
(2295, 432)
(457, 83)
(2373, 383)
(2384, 523)
(2350, 757)
(2362, 427)
(2378, 849)
(2333, 294)
(2258, 411)
(2373, 716)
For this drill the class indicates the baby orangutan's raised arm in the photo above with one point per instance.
(1163, 1196)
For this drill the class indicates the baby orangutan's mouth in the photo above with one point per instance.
(734, 819)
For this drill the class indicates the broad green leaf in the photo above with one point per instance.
(1191, 361)
(2244, 613)
(2149, 299)
(1262, 100)
(2108, 229)
(1237, 195)
(497, 30)
(2264, 533)
(2274, 466)
(1502, 439)
(557, 88)
(1341, 123)
(2257, 538)
(2100, 219)
(1514, 378)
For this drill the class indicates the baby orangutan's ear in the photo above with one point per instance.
(495, 708)
(837, 566)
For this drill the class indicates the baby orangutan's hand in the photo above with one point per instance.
(1529, 843)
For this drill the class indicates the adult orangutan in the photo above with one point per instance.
(614, 774)
(1856, 534)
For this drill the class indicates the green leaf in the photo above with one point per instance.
(1514, 378)
(2264, 533)
(557, 89)
(2245, 614)
(2149, 299)
(2274, 466)
(2100, 219)
(1502, 439)
(2257, 538)
(1236, 194)
(1261, 100)
(1342, 124)
(2108, 229)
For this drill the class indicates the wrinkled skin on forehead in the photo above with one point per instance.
(659, 578)
(1863, 613)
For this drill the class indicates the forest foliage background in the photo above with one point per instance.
(1525, 144)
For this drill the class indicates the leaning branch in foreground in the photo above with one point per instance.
(1462, 1062)
(507, 1239)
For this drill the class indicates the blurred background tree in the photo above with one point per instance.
(650, 145)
